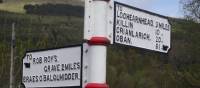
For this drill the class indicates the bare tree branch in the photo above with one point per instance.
(191, 9)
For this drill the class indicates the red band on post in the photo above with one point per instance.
(99, 41)
(96, 85)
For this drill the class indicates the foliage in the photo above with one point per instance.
(55, 9)
(191, 9)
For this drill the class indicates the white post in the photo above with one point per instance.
(98, 49)
(97, 64)
(12, 55)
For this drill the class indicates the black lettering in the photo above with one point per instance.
(58, 67)
(37, 60)
(76, 76)
(45, 68)
(40, 78)
(121, 39)
(78, 66)
(69, 76)
(55, 58)
(45, 59)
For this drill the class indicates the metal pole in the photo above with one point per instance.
(98, 46)
(12, 56)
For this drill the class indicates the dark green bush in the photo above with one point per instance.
(55, 9)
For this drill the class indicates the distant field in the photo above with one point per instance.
(18, 6)
(13, 7)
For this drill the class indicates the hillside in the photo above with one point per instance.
(128, 67)
(18, 5)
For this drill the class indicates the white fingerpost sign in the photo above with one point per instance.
(60, 67)
(140, 28)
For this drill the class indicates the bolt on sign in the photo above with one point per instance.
(60, 67)
(140, 28)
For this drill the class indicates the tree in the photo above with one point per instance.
(191, 9)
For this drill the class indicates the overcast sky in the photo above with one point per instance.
(164, 7)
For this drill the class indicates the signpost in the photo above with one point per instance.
(140, 28)
(53, 68)
(96, 35)
(62, 67)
